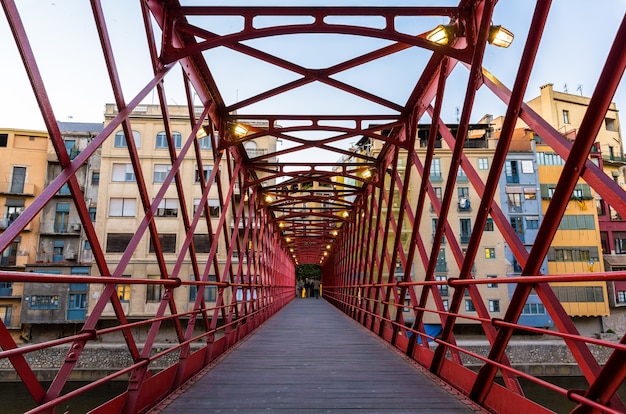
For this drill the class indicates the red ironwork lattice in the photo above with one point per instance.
(280, 214)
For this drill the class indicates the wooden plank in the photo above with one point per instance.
(312, 358)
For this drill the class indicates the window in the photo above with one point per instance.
(6, 312)
(517, 223)
(122, 207)
(527, 167)
(435, 221)
(154, 293)
(18, 179)
(465, 225)
(445, 304)
(529, 195)
(494, 305)
(6, 288)
(621, 296)
(435, 170)
(565, 116)
(583, 254)
(202, 243)
(43, 301)
(15, 207)
(167, 241)
(120, 139)
(577, 222)
(579, 293)
(92, 213)
(442, 265)
(4, 140)
(488, 224)
(160, 172)
(77, 299)
(118, 242)
(205, 143)
(619, 238)
(87, 254)
(95, 177)
(483, 163)
(515, 202)
(207, 174)
(469, 306)
(443, 289)
(490, 253)
(549, 158)
(214, 208)
(534, 309)
(512, 175)
(168, 207)
(461, 176)
(492, 285)
(71, 148)
(210, 292)
(161, 140)
(57, 251)
(122, 173)
(610, 125)
(61, 219)
(438, 193)
(123, 291)
(600, 208)
(532, 222)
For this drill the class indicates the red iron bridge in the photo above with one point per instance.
(273, 143)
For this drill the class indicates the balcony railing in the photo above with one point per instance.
(27, 189)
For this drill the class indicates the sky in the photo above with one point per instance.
(62, 34)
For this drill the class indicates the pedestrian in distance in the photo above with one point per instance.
(316, 288)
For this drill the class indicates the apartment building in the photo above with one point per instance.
(62, 247)
(521, 204)
(22, 178)
(121, 211)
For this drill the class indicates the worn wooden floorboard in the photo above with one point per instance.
(311, 358)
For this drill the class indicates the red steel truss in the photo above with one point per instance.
(351, 226)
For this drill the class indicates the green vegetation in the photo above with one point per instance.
(308, 270)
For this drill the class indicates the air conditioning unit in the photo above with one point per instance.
(75, 227)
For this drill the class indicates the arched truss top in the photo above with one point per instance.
(319, 25)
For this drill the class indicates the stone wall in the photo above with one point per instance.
(536, 357)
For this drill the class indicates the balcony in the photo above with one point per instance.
(465, 238)
(613, 159)
(5, 223)
(464, 204)
(26, 190)
(512, 179)
(256, 152)
(435, 177)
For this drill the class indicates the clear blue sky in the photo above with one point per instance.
(572, 53)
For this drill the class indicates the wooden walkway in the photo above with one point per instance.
(311, 358)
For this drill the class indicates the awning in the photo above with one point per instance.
(615, 260)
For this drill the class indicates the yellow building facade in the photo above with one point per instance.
(576, 247)
(22, 179)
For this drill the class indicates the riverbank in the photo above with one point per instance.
(537, 357)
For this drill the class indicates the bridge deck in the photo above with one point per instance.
(310, 358)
